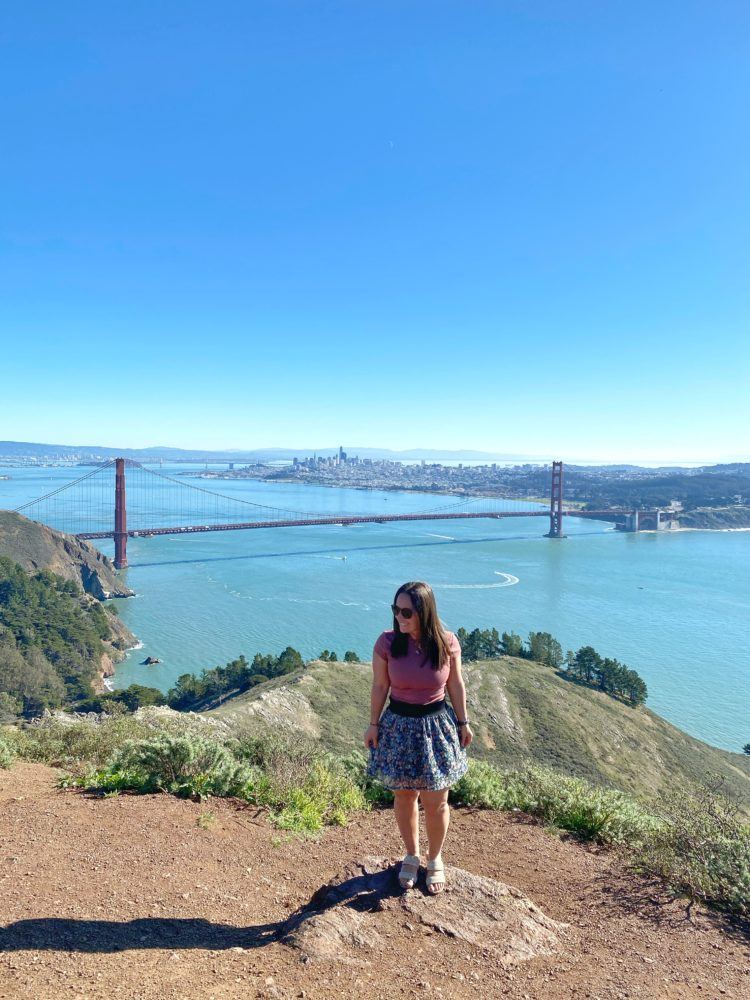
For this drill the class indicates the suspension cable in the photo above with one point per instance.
(60, 489)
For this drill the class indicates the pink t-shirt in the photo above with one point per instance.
(412, 677)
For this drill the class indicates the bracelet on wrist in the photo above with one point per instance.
(463, 722)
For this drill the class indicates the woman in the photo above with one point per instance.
(417, 746)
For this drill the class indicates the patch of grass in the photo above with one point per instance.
(323, 795)
(206, 820)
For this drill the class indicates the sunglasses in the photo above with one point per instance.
(405, 613)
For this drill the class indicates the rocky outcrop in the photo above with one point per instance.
(348, 919)
(119, 640)
(716, 518)
(35, 547)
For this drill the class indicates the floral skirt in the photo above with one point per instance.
(420, 752)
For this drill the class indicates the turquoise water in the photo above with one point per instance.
(674, 606)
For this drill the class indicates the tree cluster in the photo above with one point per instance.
(585, 667)
(127, 700)
(606, 674)
(239, 675)
(349, 657)
(50, 640)
(489, 644)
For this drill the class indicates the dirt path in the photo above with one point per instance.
(150, 896)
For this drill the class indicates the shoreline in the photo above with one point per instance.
(543, 501)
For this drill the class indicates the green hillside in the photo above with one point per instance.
(56, 642)
(521, 710)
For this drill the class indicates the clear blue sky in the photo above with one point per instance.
(517, 225)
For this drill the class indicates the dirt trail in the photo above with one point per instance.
(150, 896)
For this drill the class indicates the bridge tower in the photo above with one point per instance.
(121, 530)
(555, 504)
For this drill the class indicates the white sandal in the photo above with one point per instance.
(407, 876)
(435, 875)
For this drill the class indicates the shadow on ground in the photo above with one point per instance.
(63, 934)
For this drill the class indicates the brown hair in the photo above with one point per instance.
(433, 639)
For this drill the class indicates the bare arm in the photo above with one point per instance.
(457, 693)
(380, 687)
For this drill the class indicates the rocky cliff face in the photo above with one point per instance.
(34, 546)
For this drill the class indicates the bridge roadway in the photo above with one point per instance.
(597, 515)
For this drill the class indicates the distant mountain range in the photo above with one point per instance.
(18, 450)
(28, 449)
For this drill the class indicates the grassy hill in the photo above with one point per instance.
(521, 710)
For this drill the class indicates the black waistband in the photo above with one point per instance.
(407, 708)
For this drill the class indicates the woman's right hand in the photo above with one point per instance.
(371, 736)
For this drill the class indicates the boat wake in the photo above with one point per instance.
(508, 581)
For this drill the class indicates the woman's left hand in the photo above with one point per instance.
(466, 735)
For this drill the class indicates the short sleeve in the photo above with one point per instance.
(383, 646)
(454, 645)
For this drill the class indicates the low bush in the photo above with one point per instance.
(188, 765)
(483, 786)
(606, 815)
(701, 850)
(374, 791)
(7, 753)
(303, 787)
(76, 743)
(327, 796)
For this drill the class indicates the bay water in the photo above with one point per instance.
(675, 606)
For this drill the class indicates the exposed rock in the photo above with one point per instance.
(150, 660)
(344, 919)
(35, 547)
(280, 706)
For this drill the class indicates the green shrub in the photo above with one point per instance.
(10, 707)
(701, 849)
(303, 787)
(188, 765)
(603, 814)
(7, 753)
(483, 785)
(327, 796)
(277, 753)
(79, 743)
(374, 791)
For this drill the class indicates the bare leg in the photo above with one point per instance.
(406, 809)
(437, 818)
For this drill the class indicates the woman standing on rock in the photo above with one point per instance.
(417, 746)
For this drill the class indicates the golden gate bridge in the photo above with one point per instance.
(102, 504)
